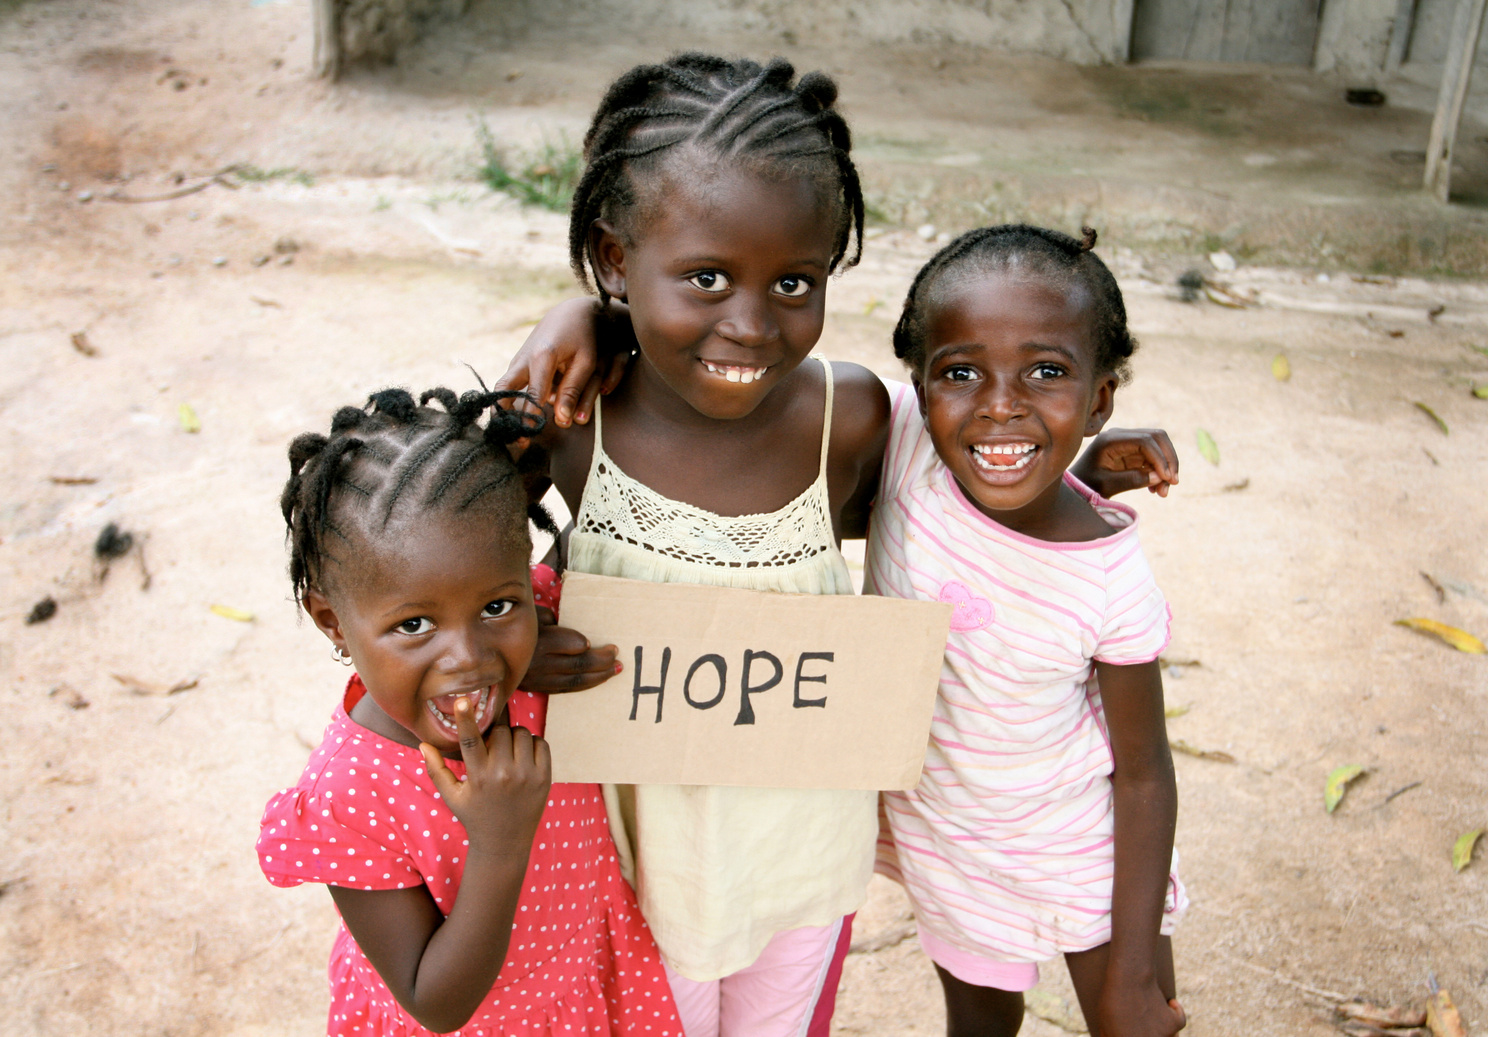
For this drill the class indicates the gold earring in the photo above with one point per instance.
(341, 655)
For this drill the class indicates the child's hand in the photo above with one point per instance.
(507, 776)
(571, 342)
(565, 661)
(1121, 459)
(1139, 1011)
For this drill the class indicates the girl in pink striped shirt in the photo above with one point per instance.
(1043, 822)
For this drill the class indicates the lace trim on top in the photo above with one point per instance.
(618, 507)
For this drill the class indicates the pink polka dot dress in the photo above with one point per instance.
(365, 815)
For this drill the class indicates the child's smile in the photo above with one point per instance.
(436, 610)
(1010, 391)
(726, 285)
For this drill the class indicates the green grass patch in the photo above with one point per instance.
(255, 175)
(545, 176)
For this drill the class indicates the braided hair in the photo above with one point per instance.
(400, 452)
(1023, 248)
(735, 110)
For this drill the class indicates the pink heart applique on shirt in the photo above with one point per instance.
(972, 613)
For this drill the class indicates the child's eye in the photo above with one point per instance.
(1045, 371)
(792, 287)
(497, 609)
(710, 281)
(418, 625)
(959, 373)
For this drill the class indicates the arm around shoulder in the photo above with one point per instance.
(860, 432)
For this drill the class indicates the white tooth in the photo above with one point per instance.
(732, 374)
(710, 367)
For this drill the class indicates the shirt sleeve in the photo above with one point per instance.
(1138, 622)
(319, 835)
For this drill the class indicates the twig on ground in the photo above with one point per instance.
(1403, 790)
(1326, 995)
(119, 196)
(204, 969)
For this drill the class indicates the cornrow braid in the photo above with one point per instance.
(400, 452)
(1036, 250)
(733, 110)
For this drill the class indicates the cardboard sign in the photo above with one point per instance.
(738, 687)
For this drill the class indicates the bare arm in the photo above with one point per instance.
(860, 433)
(441, 969)
(1146, 807)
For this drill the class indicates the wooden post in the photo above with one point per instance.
(326, 60)
(1456, 77)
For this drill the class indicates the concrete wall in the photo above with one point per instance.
(1353, 35)
(372, 30)
(1084, 31)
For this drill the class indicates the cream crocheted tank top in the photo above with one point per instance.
(625, 528)
(720, 870)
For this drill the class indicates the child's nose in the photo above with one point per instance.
(1002, 400)
(749, 322)
(467, 651)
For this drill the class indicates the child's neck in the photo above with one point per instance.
(750, 465)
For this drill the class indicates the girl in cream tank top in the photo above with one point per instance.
(719, 870)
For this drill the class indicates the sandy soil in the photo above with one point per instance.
(130, 900)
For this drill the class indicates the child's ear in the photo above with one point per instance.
(919, 388)
(607, 254)
(324, 617)
(1102, 405)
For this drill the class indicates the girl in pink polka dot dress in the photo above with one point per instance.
(475, 897)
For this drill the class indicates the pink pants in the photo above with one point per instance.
(789, 991)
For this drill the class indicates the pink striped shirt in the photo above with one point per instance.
(1005, 847)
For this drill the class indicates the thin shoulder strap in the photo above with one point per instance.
(826, 419)
(596, 453)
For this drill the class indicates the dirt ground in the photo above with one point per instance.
(130, 899)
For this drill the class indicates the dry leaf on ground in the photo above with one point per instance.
(186, 415)
(1229, 297)
(1433, 416)
(228, 612)
(1176, 711)
(1462, 849)
(1458, 639)
(82, 345)
(1358, 1029)
(139, 687)
(1338, 782)
(1386, 1017)
(1208, 448)
(1480, 391)
(1442, 1017)
(1281, 368)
